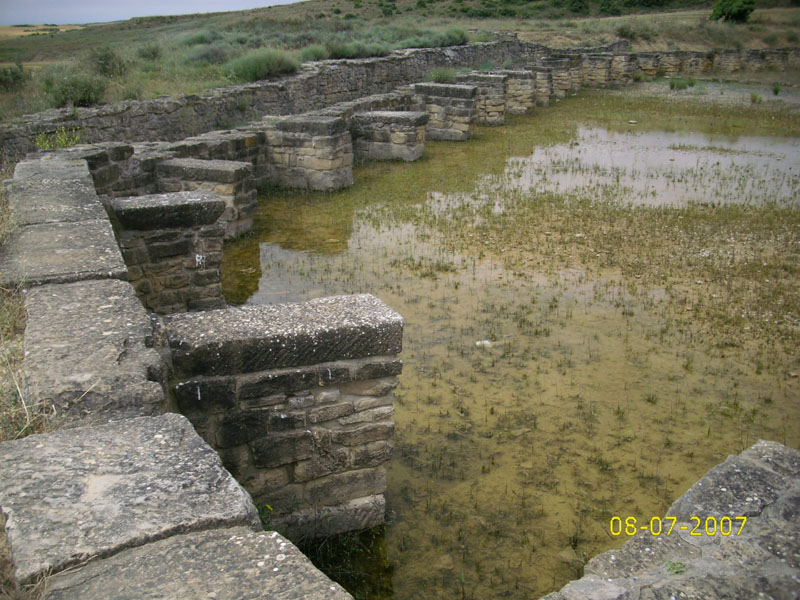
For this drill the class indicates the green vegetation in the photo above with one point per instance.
(148, 57)
(737, 11)
(681, 83)
(442, 75)
(62, 138)
(261, 64)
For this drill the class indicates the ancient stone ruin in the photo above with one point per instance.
(177, 412)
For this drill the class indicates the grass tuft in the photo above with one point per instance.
(262, 64)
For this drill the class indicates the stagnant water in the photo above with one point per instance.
(548, 387)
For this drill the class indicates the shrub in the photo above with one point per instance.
(108, 62)
(737, 11)
(261, 64)
(756, 98)
(76, 89)
(201, 37)
(313, 52)
(215, 54)
(776, 89)
(626, 32)
(12, 78)
(149, 52)
(61, 138)
(356, 50)
(610, 7)
(441, 75)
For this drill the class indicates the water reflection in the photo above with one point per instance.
(592, 398)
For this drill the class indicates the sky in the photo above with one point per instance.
(64, 12)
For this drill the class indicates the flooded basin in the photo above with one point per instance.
(596, 313)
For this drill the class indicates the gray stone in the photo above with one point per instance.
(257, 338)
(194, 169)
(86, 352)
(163, 211)
(353, 515)
(60, 253)
(312, 125)
(246, 566)
(52, 190)
(446, 90)
(87, 492)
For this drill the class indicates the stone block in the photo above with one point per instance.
(194, 169)
(86, 351)
(206, 395)
(96, 491)
(445, 90)
(225, 564)
(53, 190)
(312, 125)
(61, 253)
(341, 487)
(363, 434)
(258, 338)
(274, 382)
(163, 211)
(353, 515)
(241, 426)
(282, 449)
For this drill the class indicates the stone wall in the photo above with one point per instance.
(172, 247)
(388, 135)
(325, 83)
(491, 96)
(452, 110)
(297, 401)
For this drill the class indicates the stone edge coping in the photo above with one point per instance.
(412, 118)
(260, 337)
(92, 246)
(246, 564)
(90, 492)
(446, 90)
(198, 169)
(169, 210)
(89, 352)
(311, 124)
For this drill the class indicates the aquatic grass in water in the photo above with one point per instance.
(569, 357)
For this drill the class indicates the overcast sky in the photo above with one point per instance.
(61, 12)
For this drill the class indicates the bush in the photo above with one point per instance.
(12, 78)
(626, 32)
(737, 11)
(150, 52)
(76, 89)
(108, 62)
(313, 52)
(441, 75)
(356, 50)
(201, 37)
(215, 54)
(261, 64)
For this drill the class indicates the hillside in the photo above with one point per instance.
(146, 57)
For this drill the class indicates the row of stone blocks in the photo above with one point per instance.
(124, 499)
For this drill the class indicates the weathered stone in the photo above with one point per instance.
(446, 90)
(61, 253)
(362, 434)
(257, 338)
(51, 189)
(87, 354)
(193, 169)
(95, 491)
(162, 211)
(246, 564)
(206, 395)
(312, 125)
(283, 448)
(341, 487)
(353, 515)
(370, 387)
